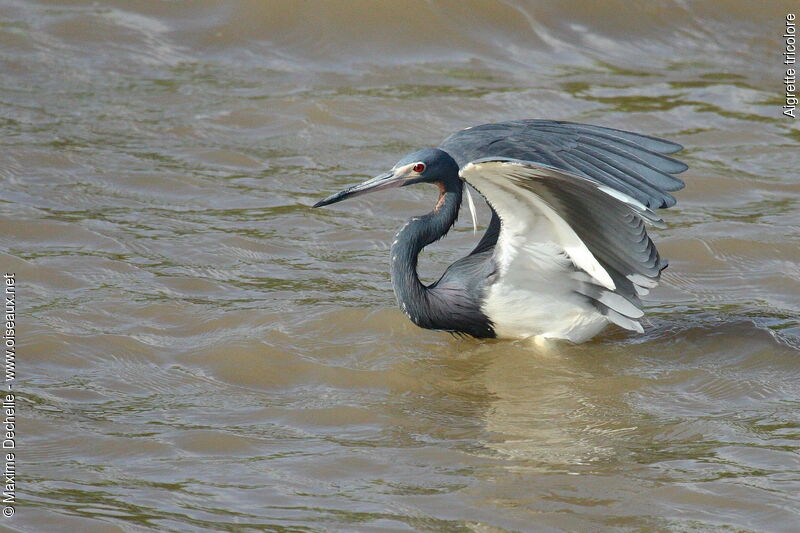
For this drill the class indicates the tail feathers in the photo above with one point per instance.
(620, 320)
(621, 307)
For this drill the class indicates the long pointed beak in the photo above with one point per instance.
(384, 181)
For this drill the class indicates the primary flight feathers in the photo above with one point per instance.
(627, 162)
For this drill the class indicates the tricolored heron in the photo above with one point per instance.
(566, 251)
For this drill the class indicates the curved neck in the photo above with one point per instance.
(418, 233)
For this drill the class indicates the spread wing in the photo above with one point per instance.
(600, 229)
(628, 162)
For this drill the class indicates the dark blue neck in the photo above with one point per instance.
(419, 232)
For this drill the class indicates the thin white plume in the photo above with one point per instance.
(472, 211)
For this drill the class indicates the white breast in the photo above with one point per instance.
(536, 298)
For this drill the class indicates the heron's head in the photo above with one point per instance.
(429, 165)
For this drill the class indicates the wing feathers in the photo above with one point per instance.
(505, 195)
(660, 163)
(587, 189)
(607, 166)
(647, 142)
(630, 162)
(651, 156)
(586, 168)
(601, 229)
(633, 166)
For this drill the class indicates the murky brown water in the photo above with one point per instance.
(199, 350)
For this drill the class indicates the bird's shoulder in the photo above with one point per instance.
(496, 139)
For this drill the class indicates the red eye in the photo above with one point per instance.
(419, 167)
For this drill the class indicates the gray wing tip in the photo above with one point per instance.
(667, 201)
(680, 166)
(672, 149)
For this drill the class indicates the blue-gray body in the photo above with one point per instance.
(599, 182)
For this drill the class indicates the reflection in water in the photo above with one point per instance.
(613, 436)
(199, 350)
(556, 413)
